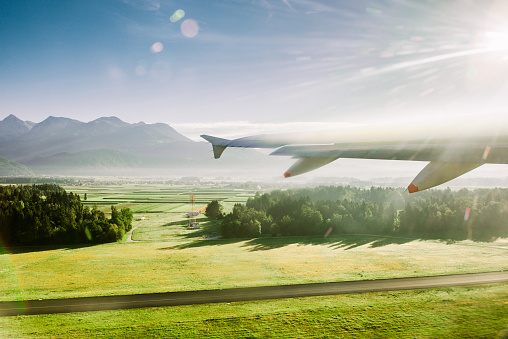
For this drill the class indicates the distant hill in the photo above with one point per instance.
(13, 169)
(108, 145)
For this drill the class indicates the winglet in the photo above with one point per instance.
(218, 144)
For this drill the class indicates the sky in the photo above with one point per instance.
(240, 67)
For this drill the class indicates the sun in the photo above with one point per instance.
(497, 40)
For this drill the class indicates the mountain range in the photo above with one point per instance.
(110, 146)
(12, 127)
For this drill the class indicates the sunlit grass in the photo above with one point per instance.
(186, 263)
(172, 258)
(460, 312)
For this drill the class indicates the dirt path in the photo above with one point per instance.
(129, 238)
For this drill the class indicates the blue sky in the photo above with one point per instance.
(253, 66)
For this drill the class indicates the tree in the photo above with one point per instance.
(229, 227)
(286, 225)
(126, 215)
(214, 210)
(116, 218)
(310, 221)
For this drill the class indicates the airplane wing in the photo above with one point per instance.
(448, 157)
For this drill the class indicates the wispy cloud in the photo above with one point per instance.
(417, 62)
(144, 5)
(289, 5)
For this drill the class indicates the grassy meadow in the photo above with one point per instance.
(166, 256)
(459, 312)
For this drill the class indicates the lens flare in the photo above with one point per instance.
(179, 14)
(115, 73)
(189, 28)
(141, 70)
(467, 213)
(88, 234)
(328, 232)
(486, 153)
(156, 47)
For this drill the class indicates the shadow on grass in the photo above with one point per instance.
(343, 242)
(208, 229)
(177, 223)
(29, 249)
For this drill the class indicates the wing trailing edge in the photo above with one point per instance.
(256, 141)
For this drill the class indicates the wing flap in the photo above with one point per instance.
(305, 165)
(416, 152)
(437, 173)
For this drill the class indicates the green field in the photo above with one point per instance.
(157, 198)
(460, 312)
(166, 256)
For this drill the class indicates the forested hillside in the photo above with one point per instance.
(436, 214)
(10, 168)
(47, 214)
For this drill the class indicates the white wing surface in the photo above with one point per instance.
(450, 155)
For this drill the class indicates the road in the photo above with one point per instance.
(87, 304)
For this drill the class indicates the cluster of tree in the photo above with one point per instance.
(478, 215)
(439, 214)
(214, 210)
(18, 180)
(47, 214)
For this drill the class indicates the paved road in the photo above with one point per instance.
(12, 308)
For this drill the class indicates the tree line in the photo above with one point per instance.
(480, 215)
(47, 214)
(19, 180)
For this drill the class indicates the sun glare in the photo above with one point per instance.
(497, 40)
